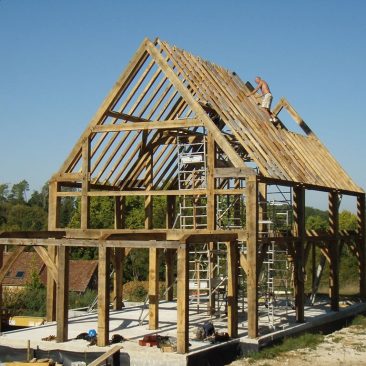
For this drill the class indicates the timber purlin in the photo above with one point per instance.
(130, 148)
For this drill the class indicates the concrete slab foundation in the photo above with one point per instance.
(126, 323)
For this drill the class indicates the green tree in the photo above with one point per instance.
(315, 222)
(22, 217)
(4, 192)
(18, 193)
(347, 221)
(40, 198)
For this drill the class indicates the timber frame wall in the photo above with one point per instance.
(130, 149)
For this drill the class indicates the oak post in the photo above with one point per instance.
(103, 295)
(169, 254)
(361, 226)
(85, 199)
(53, 223)
(252, 240)
(1, 284)
(182, 300)
(119, 254)
(333, 247)
(299, 233)
(62, 293)
(232, 288)
(211, 215)
(153, 288)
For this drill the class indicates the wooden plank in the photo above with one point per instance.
(154, 125)
(283, 103)
(232, 289)
(103, 295)
(299, 233)
(333, 249)
(105, 356)
(126, 117)
(62, 300)
(153, 288)
(48, 260)
(252, 240)
(182, 300)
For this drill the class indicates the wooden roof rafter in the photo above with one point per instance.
(161, 90)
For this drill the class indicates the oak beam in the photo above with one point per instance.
(48, 260)
(232, 172)
(154, 125)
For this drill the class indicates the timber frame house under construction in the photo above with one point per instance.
(180, 127)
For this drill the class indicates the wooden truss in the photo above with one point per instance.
(129, 148)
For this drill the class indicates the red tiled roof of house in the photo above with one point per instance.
(80, 271)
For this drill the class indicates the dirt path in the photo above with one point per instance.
(344, 347)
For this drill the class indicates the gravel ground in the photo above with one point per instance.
(344, 347)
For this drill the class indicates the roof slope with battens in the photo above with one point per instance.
(162, 86)
(279, 153)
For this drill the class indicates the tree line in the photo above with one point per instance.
(22, 211)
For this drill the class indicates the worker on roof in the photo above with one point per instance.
(266, 97)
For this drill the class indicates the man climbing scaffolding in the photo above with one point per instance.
(266, 97)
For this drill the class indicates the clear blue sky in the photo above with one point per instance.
(60, 58)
